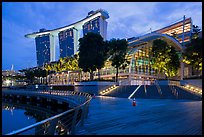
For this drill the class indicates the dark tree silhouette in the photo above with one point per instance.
(117, 53)
(91, 53)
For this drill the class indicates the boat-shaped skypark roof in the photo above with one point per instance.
(78, 24)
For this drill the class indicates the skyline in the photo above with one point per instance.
(19, 18)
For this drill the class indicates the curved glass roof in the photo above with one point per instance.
(152, 36)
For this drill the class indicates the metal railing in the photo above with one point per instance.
(173, 90)
(187, 86)
(158, 87)
(64, 123)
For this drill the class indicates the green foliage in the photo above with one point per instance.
(29, 73)
(117, 51)
(165, 58)
(71, 63)
(196, 31)
(39, 72)
(63, 64)
(92, 53)
(193, 53)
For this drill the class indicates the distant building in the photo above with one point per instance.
(97, 25)
(176, 30)
(140, 70)
(6, 73)
(42, 49)
(66, 43)
(9, 78)
(68, 36)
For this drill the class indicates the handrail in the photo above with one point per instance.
(134, 92)
(158, 87)
(84, 106)
(187, 86)
(145, 89)
(173, 90)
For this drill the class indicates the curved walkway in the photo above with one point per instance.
(117, 116)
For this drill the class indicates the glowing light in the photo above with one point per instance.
(187, 86)
(36, 86)
(192, 87)
(62, 130)
(8, 81)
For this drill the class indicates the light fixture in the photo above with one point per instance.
(192, 87)
(187, 86)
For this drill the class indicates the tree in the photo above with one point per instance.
(29, 73)
(165, 58)
(193, 53)
(40, 72)
(71, 63)
(48, 68)
(196, 31)
(91, 53)
(117, 53)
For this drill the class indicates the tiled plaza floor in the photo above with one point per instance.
(117, 116)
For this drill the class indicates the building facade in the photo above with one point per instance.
(42, 49)
(176, 30)
(68, 36)
(66, 43)
(10, 78)
(97, 25)
(139, 71)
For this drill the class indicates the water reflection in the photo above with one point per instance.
(17, 115)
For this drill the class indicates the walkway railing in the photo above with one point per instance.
(61, 124)
(173, 90)
(158, 87)
(187, 86)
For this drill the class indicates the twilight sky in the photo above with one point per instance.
(127, 19)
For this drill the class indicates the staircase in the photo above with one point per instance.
(166, 92)
(108, 90)
(184, 94)
(122, 91)
(152, 92)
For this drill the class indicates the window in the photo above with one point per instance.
(85, 26)
(70, 33)
(89, 27)
(96, 24)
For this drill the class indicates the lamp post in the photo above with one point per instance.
(182, 64)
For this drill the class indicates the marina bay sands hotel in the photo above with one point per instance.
(68, 36)
(139, 48)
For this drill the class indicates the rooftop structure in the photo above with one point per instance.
(68, 36)
(176, 30)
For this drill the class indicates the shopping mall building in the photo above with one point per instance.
(140, 70)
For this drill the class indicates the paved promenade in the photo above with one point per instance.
(117, 116)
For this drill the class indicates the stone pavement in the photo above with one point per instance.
(117, 116)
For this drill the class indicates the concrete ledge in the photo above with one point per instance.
(94, 83)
